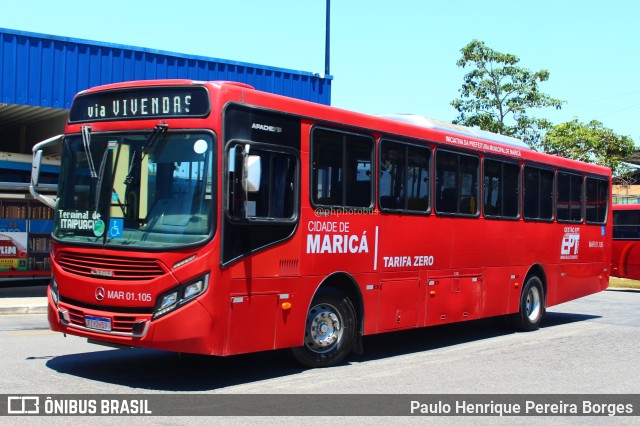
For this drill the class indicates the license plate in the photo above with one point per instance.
(97, 323)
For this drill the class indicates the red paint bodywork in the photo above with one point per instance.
(478, 270)
(625, 257)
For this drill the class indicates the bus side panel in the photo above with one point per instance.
(468, 242)
(454, 295)
(578, 280)
(251, 323)
(504, 244)
(336, 242)
(267, 313)
(552, 274)
(399, 300)
(440, 306)
(582, 257)
(411, 247)
(270, 313)
(626, 259)
(632, 262)
(497, 288)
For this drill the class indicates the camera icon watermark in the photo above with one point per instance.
(23, 405)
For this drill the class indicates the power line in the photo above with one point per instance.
(620, 110)
(603, 99)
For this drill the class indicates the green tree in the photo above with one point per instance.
(497, 94)
(591, 142)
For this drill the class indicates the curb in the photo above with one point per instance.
(23, 306)
(22, 310)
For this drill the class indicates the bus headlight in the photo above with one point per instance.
(169, 301)
(54, 292)
(192, 290)
(180, 295)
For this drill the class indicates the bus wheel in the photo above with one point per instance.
(329, 332)
(532, 307)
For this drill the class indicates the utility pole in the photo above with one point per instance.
(327, 42)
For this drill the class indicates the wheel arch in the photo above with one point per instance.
(531, 305)
(345, 283)
(538, 271)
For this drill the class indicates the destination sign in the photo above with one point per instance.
(140, 103)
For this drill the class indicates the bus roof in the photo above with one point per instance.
(628, 206)
(411, 126)
(431, 123)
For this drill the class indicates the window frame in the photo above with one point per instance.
(407, 146)
(607, 198)
(459, 154)
(312, 169)
(518, 199)
(582, 196)
(620, 227)
(281, 149)
(523, 176)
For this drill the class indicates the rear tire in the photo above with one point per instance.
(329, 332)
(532, 306)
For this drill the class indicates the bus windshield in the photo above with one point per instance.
(146, 189)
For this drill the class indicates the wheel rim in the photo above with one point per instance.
(324, 328)
(533, 305)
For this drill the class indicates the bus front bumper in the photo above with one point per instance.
(187, 330)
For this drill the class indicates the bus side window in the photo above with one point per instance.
(457, 183)
(275, 198)
(569, 197)
(538, 193)
(341, 169)
(626, 224)
(501, 189)
(404, 176)
(597, 201)
(447, 202)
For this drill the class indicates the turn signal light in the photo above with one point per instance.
(286, 306)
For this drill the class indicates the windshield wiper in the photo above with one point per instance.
(160, 128)
(157, 131)
(100, 178)
(86, 142)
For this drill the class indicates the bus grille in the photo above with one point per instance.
(121, 323)
(109, 267)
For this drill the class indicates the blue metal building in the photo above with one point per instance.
(40, 74)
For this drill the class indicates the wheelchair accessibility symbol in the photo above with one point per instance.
(115, 228)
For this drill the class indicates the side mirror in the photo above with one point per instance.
(252, 173)
(35, 169)
(246, 170)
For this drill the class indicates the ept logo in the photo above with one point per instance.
(570, 245)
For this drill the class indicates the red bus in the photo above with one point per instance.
(625, 257)
(212, 218)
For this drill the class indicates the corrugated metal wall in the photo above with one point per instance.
(44, 70)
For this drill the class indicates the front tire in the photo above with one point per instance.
(532, 306)
(330, 330)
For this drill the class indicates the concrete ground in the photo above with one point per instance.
(22, 297)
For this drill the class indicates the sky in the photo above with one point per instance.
(386, 57)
